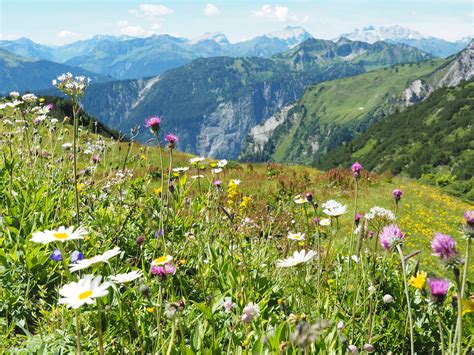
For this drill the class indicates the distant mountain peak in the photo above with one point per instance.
(217, 37)
(371, 34)
(292, 34)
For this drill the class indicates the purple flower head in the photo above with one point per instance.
(140, 239)
(217, 183)
(158, 270)
(227, 304)
(56, 255)
(153, 123)
(469, 217)
(76, 255)
(444, 246)
(371, 234)
(95, 159)
(159, 233)
(172, 139)
(170, 269)
(357, 218)
(316, 220)
(309, 196)
(356, 168)
(439, 289)
(49, 107)
(390, 236)
(397, 194)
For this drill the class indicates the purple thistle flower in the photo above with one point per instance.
(439, 289)
(56, 255)
(316, 220)
(444, 246)
(170, 269)
(140, 239)
(153, 123)
(95, 159)
(172, 139)
(469, 217)
(397, 194)
(158, 270)
(309, 197)
(217, 183)
(356, 167)
(390, 235)
(357, 218)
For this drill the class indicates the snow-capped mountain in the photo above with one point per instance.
(293, 35)
(370, 34)
(397, 34)
(217, 37)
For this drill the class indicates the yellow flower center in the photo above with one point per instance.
(85, 294)
(60, 235)
(161, 260)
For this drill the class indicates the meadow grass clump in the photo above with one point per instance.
(180, 254)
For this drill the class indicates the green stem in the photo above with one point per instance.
(458, 331)
(78, 333)
(440, 327)
(410, 319)
(74, 109)
(99, 329)
(173, 332)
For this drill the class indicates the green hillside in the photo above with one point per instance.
(433, 140)
(335, 111)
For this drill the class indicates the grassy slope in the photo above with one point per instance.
(346, 102)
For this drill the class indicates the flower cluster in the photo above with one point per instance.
(71, 85)
(391, 236)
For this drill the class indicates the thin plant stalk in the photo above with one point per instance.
(74, 152)
(410, 319)
(458, 331)
(440, 327)
(99, 329)
(78, 333)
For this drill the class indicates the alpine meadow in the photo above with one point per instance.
(292, 177)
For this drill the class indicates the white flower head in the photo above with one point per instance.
(387, 298)
(380, 213)
(66, 146)
(296, 236)
(197, 176)
(333, 208)
(298, 257)
(102, 258)
(162, 260)
(325, 222)
(196, 160)
(222, 163)
(128, 277)
(85, 291)
(250, 311)
(181, 169)
(14, 94)
(235, 181)
(62, 234)
(216, 170)
(299, 200)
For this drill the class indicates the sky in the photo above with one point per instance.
(63, 21)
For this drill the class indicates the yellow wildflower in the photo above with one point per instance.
(80, 187)
(157, 190)
(468, 305)
(150, 309)
(419, 280)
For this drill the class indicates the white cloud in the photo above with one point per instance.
(278, 13)
(65, 34)
(151, 11)
(211, 10)
(125, 28)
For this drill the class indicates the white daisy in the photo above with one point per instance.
(235, 181)
(196, 160)
(103, 258)
(216, 171)
(296, 236)
(333, 208)
(86, 290)
(325, 222)
(222, 163)
(181, 170)
(62, 234)
(197, 176)
(128, 277)
(66, 146)
(162, 260)
(298, 257)
(299, 200)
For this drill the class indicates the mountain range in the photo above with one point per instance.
(127, 57)
(335, 112)
(212, 103)
(397, 34)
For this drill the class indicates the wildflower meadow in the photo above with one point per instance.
(113, 247)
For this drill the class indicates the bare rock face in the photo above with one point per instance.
(459, 69)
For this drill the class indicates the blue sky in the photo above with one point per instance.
(57, 22)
